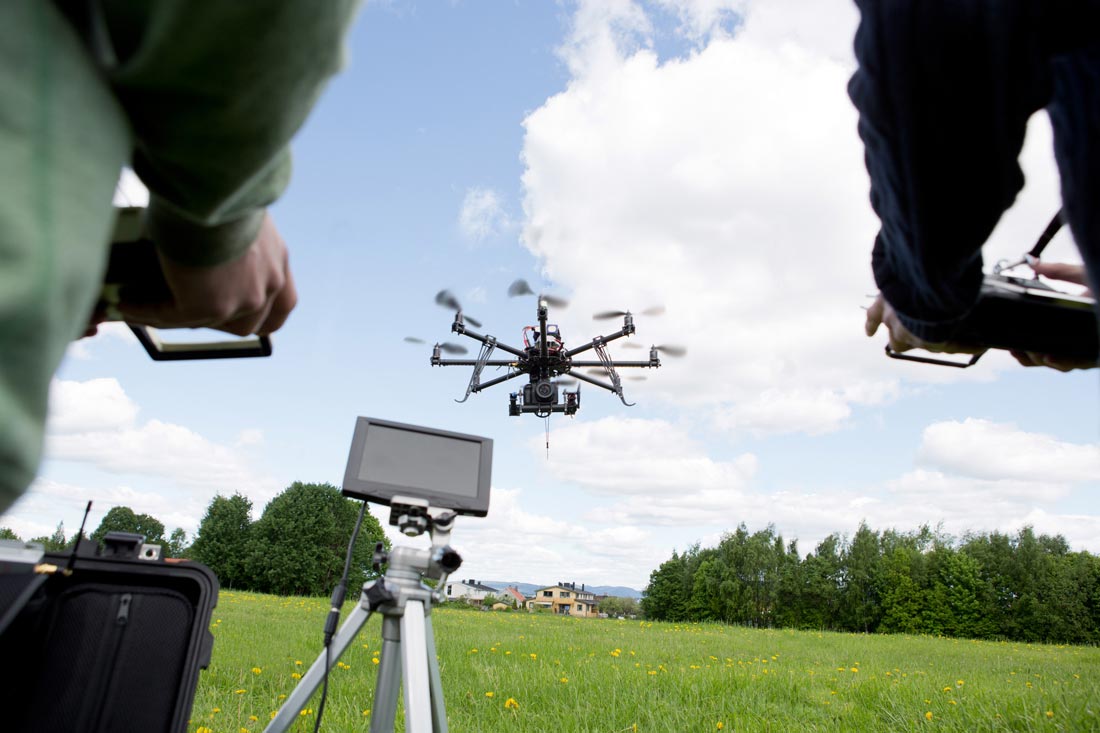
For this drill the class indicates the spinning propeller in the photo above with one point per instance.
(669, 349)
(447, 299)
(446, 347)
(520, 287)
(657, 310)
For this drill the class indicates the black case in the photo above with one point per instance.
(115, 646)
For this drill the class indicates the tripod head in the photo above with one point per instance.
(413, 517)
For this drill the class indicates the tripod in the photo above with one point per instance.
(408, 642)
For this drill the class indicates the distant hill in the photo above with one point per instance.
(529, 589)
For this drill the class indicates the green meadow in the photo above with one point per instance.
(513, 671)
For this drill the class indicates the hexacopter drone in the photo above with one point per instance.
(544, 358)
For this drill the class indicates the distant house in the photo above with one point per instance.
(514, 597)
(565, 599)
(469, 590)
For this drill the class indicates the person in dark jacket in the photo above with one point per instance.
(944, 90)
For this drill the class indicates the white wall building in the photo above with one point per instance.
(470, 590)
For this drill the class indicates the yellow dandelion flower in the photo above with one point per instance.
(1050, 713)
(204, 729)
(511, 704)
(216, 710)
(374, 660)
(240, 692)
(652, 671)
(298, 662)
(256, 670)
(533, 655)
(564, 680)
(719, 726)
(959, 683)
(928, 715)
(366, 712)
(855, 669)
(295, 676)
(952, 702)
(490, 693)
(244, 730)
(947, 689)
(253, 718)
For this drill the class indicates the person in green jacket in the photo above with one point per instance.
(200, 99)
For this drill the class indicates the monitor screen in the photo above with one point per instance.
(449, 470)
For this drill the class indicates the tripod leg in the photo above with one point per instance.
(288, 713)
(384, 708)
(439, 709)
(418, 711)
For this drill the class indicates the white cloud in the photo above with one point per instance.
(736, 174)
(95, 405)
(482, 215)
(250, 436)
(512, 543)
(94, 429)
(642, 458)
(778, 411)
(156, 448)
(988, 450)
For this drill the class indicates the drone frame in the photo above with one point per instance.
(540, 395)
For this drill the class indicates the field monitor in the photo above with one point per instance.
(448, 470)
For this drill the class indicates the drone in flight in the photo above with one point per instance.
(549, 366)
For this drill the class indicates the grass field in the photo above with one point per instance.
(509, 671)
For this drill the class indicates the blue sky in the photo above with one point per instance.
(697, 154)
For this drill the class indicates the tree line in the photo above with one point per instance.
(296, 547)
(986, 586)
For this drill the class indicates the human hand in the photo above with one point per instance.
(1066, 273)
(1060, 271)
(901, 339)
(253, 293)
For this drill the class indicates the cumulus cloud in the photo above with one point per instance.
(482, 215)
(633, 457)
(514, 543)
(96, 425)
(92, 406)
(987, 450)
(779, 411)
(651, 476)
(729, 185)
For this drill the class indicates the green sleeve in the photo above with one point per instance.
(214, 90)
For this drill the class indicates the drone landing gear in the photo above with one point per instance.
(487, 347)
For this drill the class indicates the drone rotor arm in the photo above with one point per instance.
(498, 380)
(633, 364)
(596, 382)
(459, 328)
(600, 340)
